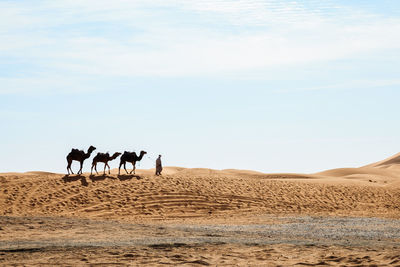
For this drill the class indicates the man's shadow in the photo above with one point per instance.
(68, 179)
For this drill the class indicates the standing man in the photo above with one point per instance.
(158, 165)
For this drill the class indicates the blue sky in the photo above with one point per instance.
(268, 85)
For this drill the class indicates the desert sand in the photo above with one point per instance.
(193, 217)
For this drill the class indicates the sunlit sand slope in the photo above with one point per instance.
(203, 193)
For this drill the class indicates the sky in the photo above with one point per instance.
(267, 85)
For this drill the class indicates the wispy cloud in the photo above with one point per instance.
(186, 38)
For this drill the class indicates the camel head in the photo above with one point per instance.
(91, 148)
(142, 153)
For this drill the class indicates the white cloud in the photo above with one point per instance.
(186, 53)
(52, 36)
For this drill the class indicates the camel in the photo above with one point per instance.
(132, 158)
(78, 155)
(105, 158)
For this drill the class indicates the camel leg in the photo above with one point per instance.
(80, 170)
(134, 168)
(69, 166)
(125, 167)
(109, 169)
(91, 169)
(119, 168)
(105, 165)
(95, 168)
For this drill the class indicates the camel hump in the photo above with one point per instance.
(74, 150)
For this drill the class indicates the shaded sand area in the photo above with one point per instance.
(198, 217)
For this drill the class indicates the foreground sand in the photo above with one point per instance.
(296, 240)
(205, 255)
(197, 197)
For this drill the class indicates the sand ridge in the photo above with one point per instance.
(201, 193)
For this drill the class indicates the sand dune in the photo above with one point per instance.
(203, 193)
(51, 218)
(393, 161)
(386, 172)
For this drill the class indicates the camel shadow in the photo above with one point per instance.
(101, 177)
(68, 179)
(124, 177)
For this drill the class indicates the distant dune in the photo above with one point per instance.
(372, 190)
(392, 163)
